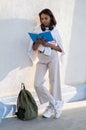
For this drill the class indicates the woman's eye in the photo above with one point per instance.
(46, 18)
(42, 19)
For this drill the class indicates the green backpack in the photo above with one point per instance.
(26, 105)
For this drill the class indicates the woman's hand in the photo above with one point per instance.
(36, 44)
(38, 41)
(44, 43)
(57, 48)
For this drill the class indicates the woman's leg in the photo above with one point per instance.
(42, 92)
(54, 78)
(55, 88)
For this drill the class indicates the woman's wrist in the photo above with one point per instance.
(50, 45)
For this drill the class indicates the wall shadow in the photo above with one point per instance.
(14, 43)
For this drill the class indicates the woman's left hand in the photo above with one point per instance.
(44, 43)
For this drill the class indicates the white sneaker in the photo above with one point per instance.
(48, 112)
(58, 108)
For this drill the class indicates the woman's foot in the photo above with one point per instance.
(58, 109)
(51, 109)
(48, 112)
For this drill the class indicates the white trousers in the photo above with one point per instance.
(50, 63)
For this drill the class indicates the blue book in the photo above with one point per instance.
(44, 35)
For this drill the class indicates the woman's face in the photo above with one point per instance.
(45, 19)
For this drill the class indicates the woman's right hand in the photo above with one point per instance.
(36, 44)
(38, 41)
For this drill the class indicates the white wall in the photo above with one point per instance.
(17, 18)
(75, 71)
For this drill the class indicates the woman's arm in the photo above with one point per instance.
(36, 44)
(57, 48)
(53, 46)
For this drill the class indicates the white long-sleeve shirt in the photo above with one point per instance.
(46, 50)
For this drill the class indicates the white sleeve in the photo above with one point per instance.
(31, 53)
(59, 40)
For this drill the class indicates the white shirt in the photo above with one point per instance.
(47, 50)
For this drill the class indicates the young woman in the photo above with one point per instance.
(48, 60)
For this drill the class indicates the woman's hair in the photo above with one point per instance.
(49, 13)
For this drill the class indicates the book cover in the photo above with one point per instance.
(45, 35)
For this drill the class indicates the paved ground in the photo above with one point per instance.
(73, 118)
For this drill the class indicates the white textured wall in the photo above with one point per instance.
(75, 71)
(17, 17)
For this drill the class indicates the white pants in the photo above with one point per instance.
(50, 63)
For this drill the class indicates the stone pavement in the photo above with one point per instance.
(72, 118)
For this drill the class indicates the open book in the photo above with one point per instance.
(45, 35)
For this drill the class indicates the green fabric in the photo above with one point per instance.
(26, 106)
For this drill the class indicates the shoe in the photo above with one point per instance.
(58, 109)
(48, 112)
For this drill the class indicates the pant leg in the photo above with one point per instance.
(42, 92)
(54, 77)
